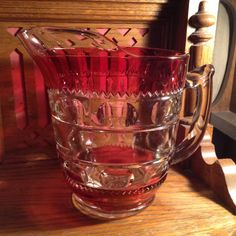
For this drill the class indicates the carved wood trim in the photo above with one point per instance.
(219, 174)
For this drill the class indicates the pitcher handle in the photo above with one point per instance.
(200, 80)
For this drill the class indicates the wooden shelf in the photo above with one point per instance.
(35, 200)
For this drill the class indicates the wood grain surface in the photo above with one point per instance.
(84, 11)
(34, 200)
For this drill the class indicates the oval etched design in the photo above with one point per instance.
(112, 178)
(132, 115)
(158, 113)
(176, 105)
(101, 113)
(64, 110)
(164, 111)
(117, 114)
(167, 110)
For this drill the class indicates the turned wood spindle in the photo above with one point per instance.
(218, 174)
(201, 21)
(200, 51)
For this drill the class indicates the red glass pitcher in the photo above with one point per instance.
(115, 113)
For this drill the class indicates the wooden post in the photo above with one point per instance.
(201, 45)
(220, 175)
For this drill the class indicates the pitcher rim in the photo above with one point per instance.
(176, 53)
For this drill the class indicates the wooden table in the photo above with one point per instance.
(34, 200)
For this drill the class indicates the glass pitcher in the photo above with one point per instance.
(115, 113)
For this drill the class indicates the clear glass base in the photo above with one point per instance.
(97, 213)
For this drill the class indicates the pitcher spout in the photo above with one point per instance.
(62, 53)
